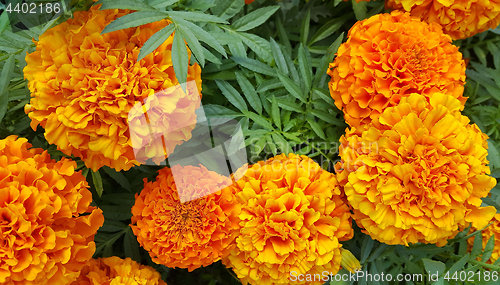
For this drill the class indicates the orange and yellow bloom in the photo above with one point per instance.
(83, 85)
(46, 224)
(116, 271)
(191, 234)
(390, 56)
(459, 18)
(292, 220)
(417, 173)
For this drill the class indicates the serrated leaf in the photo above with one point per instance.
(272, 145)
(283, 35)
(112, 226)
(275, 112)
(118, 177)
(180, 60)
(316, 128)
(259, 45)
(155, 41)
(5, 77)
(289, 105)
(259, 120)
(434, 266)
(328, 29)
(232, 95)
(325, 95)
(327, 117)
(305, 68)
(459, 264)
(96, 178)
(304, 28)
(254, 65)
(197, 16)
(269, 84)
(227, 8)
(249, 92)
(217, 111)
(488, 249)
(238, 49)
(366, 248)
(326, 59)
(4, 22)
(158, 4)
(493, 154)
(254, 18)
(291, 87)
(477, 248)
(211, 57)
(125, 4)
(281, 143)
(133, 20)
(278, 57)
(191, 40)
(203, 35)
(131, 246)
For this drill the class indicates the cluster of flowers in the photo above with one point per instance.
(413, 169)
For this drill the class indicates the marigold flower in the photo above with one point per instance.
(191, 234)
(115, 271)
(390, 56)
(487, 233)
(46, 238)
(292, 220)
(83, 85)
(417, 173)
(459, 18)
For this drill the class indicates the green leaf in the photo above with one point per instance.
(488, 249)
(211, 57)
(434, 266)
(131, 246)
(125, 4)
(326, 59)
(291, 87)
(203, 36)
(191, 40)
(366, 248)
(477, 248)
(155, 41)
(4, 22)
(305, 68)
(325, 95)
(282, 33)
(161, 4)
(258, 119)
(96, 178)
(269, 84)
(359, 9)
(316, 128)
(112, 226)
(289, 105)
(254, 65)
(226, 9)
(5, 77)
(282, 143)
(249, 91)
(271, 145)
(493, 154)
(254, 18)
(327, 117)
(238, 49)
(328, 29)
(459, 265)
(197, 16)
(133, 20)
(180, 60)
(232, 95)
(304, 28)
(275, 112)
(278, 57)
(118, 177)
(259, 45)
(216, 111)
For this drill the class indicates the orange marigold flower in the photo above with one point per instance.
(46, 238)
(191, 234)
(492, 230)
(114, 270)
(417, 173)
(390, 56)
(83, 85)
(459, 18)
(292, 219)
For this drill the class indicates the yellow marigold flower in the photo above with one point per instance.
(491, 230)
(292, 220)
(417, 173)
(390, 56)
(46, 224)
(459, 18)
(116, 271)
(191, 234)
(83, 85)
